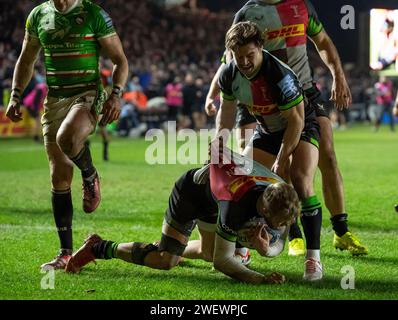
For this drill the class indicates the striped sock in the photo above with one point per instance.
(311, 221)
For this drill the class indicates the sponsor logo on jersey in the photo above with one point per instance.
(263, 110)
(294, 30)
(288, 86)
(242, 181)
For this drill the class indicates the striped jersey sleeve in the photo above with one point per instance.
(314, 24)
(103, 24)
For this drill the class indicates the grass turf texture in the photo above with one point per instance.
(134, 197)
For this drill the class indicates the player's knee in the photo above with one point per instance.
(167, 263)
(60, 181)
(302, 184)
(65, 143)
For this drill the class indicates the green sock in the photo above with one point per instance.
(110, 251)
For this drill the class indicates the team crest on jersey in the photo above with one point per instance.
(294, 30)
(79, 20)
(47, 22)
(56, 26)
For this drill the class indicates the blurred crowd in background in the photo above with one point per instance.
(173, 55)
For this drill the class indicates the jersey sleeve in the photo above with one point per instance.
(31, 24)
(103, 25)
(314, 24)
(240, 15)
(229, 220)
(287, 86)
(225, 82)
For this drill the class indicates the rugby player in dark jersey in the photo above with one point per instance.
(286, 128)
(287, 24)
(266, 200)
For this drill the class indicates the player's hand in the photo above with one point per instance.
(341, 94)
(13, 111)
(110, 110)
(259, 238)
(210, 107)
(395, 110)
(280, 169)
(275, 278)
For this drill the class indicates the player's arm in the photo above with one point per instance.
(225, 262)
(225, 117)
(22, 74)
(395, 109)
(291, 137)
(340, 92)
(113, 48)
(225, 120)
(214, 91)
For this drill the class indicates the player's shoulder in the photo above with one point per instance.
(90, 6)
(42, 8)
(274, 62)
(229, 70)
(247, 7)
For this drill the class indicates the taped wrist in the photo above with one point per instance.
(16, 94)
(140, 250)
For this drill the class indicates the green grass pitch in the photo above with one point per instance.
(134, 197)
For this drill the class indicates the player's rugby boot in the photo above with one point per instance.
(91, 194)
(59, 262)
(84, 255)
(351, 243)
(313, 270)
(296, 247)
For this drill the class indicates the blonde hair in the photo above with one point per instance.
(243, 33)
(282, 200)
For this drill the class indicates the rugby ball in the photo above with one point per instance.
(243, 238)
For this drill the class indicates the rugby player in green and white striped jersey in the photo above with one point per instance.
(71, 34)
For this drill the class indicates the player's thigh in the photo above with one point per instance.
(265, 158)
(78, 124)
(207, 231)
(326, 145)
(171, 232)
(61, 167)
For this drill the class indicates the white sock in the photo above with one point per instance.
(314, 254)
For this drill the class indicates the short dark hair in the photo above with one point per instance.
(243, 33)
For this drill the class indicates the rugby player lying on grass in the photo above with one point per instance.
(255, 209)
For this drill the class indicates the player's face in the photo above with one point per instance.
(248, 58)
(63, 5)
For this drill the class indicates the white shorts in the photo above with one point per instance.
(56, 110)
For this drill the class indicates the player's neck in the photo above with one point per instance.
(73, 5)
